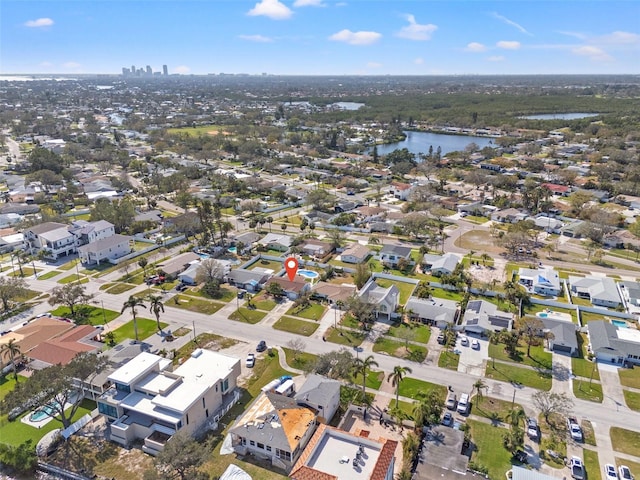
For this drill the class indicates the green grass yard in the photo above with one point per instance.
(146, 328)
(293, 325)
(632, 399)
(525, 376)
(95, 314)
(412, 388)
(538, 357)
(344, 337)
(263, 302)
(580, 366)
(625, 441)
(374, 379)
(314, 311)
(591, 463)
(120, 288)
(421, 333)
(448, 360)
(489, 451)
(247, 315)
(302, 361)
(582, 389)
(48, 275)
(397, 349)
(195, 304)
(630, 377)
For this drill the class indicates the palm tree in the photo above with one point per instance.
(516, 416)
(420, 412)
(361, 366)
(374, 240)
(479, 386)
(13, 350)
(396, 378)
(132, 303)
(156, 306)
(143, 262)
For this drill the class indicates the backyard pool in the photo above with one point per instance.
(620, 323)
(233, 250)
(308, 274)
(45, 412)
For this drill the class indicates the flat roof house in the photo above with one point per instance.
(601, 291)
(542, 281)
(333, 454)
(481, 316)
(432, 311)
(150, 401)
(613, 344)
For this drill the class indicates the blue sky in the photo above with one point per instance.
(321, 37)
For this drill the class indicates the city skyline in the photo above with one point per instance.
(322, 37)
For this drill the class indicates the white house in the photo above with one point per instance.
(89, 232)
(52, 238)
(440, 264)
(276, 241)
(105, 249)
(151, 402)
(432, 311)
(355, 253)
(384, 300)
(482, 316)
(400, 190)
(392, 254)
(613, 344)
(189, 275)
(542, 281)
(601, 291)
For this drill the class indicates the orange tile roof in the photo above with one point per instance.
(384, 460)
(307, 473)
(36, 332)
(62, 349)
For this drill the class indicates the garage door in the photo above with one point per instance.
(562, 348)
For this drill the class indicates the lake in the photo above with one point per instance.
(347, 105)
(419, 142)
(560, 116)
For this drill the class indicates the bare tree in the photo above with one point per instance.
(550, 402)
(297, 346)
(208, 270)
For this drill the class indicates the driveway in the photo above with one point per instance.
(472, 361)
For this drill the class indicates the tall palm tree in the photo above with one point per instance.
(396, 378)
(156, 306)
(143, 262)
(12, 349)
(516, 415)
(479, 386)
(132, 303)
(361, 366)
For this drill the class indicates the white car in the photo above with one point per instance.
(251, 360)
(625, 473)
(610, 472)
(475, 344)
(464, 341)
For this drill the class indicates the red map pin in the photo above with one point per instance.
(291, 266)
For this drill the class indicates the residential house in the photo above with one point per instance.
(179, 264)
(573, 229)
(558, 190)
(333, 292)
(249, 280)
(542, 281)
(600, 291)
(274, 427)
(316, 248)
(508, 215)
(439, 265)
(384, 300)
(355, 253)
(631, 293)
(248, 239)
(334, 454)
(613, 344)
(54, 239)
(400, 190)
(482, 316)
(392, 254)
(90, 232)
(61, 349)
(106, 249)
(369, 214)
(149, 401)
(292, 289)
(432, 311)
(320, 394)
(189, 276)
(154, 216)
(443, 458)
(562, 336)
(276, 241)
(522, 473)
(344, 206)
(547, 223)
(10, 240)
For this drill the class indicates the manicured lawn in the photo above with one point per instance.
(349, 320)
(293, 325)
(120, 288)
(7, 383)
(344, 337)
(146, 328)
(266, 369)
(525, 376)
(580, 366)
(302, 361)
(26, 272)
(313, 311)
(591, 463)
(95, 314)
(625, 441)
(632, 399)
(633, 466)
(412, 388)
(448, 360)
(587, 317)
(73, 278)
(374, 379)
(489, 451)
(630, 377)
(405, 407)
(421, 333)
(195, 304)
(227, 293)
(447, 294)
(492, 408)
(48, 275)
(398, 349)
(539, 358)
(406, 289)
(264, 303)
(67, 266)
(269, 264)
(247, 315)
(16, 432)
(582, 389)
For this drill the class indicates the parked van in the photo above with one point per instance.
(463, 404)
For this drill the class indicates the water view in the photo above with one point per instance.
(560, 116)
(419, 142)
(347, 105)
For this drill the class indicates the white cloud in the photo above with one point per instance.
(578, 35)
(416, 31)
(495, 58)
(593, 53)
(355, 38)
(508, 45)
(309, 3)
(40, 22)
(272, 9)
(510, 22)
(619, 38)
(374, 65)
(182, 69)
(475, 47)
(419, 61)
(46, 64)
(71, 65)
(256, 38)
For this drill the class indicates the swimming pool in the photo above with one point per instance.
(45, 412)
(620, 323)
(543, 315)
(233, 250)
(308, 273)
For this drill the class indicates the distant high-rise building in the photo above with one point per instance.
(149, 71)
(125, 72)
(165, 70)
(133, 69)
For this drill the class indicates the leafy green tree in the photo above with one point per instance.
(362, 311)
(181, 457)
(479, 386)
(396, 378)
(361, 275)
(11, 288)
(132, 303)
(70, 295)
(12, 350)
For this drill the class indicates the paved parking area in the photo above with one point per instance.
(472, 361)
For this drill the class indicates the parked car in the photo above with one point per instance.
(574, 429)
(40, 315)
(475, 344)
(577, 468)
(441, 339)
(532, 428)
(610, 472)
(447, 419)
(521, 456)
(262, 346)
(625, 473)
(181, 287)
(251, 360)
(464, 341)
(451, 402)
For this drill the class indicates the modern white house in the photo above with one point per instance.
(89, 232)
(542, 281)
(384, 300)
(150, 401)
(601, 291)
(400, 190)
(105, 249)
(52, 238)
(614, 344)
